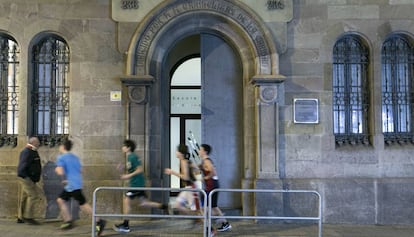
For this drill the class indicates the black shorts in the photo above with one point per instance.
(76, 194)
(136, 193)
(214, 199)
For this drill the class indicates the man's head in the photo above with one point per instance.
(129, 145)
(205, 149)
(34, 141)
(66, 146)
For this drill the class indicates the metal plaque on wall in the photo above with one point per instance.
(305, 111)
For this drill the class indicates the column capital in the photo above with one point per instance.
(137, 80)
(267, 87)
(267, 80)
(137, 87)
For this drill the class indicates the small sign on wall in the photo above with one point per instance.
(116, 96)
(305, 111)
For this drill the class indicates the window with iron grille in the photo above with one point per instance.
(350, 91)
(9, 101)
(50, 91)
(397, 89)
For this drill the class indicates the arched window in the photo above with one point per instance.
(9, 101)
(397, 89)
(350, 91)
(50, 91)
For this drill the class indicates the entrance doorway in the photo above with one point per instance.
(206, 104)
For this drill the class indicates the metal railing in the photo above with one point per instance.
(318, 218)
(207, 209)
(200, 191)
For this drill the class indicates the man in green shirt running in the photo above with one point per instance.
(136, 179)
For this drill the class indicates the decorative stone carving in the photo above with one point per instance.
(242, 17)
(137, 87)
(137, 94)
(268, 94)
(268, 87)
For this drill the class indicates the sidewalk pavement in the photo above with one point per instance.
(186, 228)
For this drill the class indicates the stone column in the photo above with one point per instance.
(269, 95)
(137, 112)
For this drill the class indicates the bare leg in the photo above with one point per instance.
(217, 212)
(87, 209)
(127, 204)
(149, 204)
(64, 211)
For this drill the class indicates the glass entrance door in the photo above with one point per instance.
(185, 112)
(184, 129)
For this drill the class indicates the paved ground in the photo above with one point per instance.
(185, 228)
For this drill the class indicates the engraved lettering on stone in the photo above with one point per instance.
(225, 7)
(261, 45)
(129, 4)
(275, 5)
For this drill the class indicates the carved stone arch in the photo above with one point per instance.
(246, 23)
(147, 80)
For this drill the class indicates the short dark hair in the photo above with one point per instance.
(67, 144)
(130, 144)
(183, 149)
(207, 148)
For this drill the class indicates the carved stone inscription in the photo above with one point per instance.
(129, 4)
(225, 7)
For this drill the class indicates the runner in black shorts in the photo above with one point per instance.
(76, 194)
(70, 169)
(136, 179)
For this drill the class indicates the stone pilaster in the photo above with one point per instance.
(268, 95)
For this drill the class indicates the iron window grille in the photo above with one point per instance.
(397, 90)
(50, 93)
(9, 90)
(350, 91)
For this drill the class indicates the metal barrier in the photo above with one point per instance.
(207, 214)
(94, 214)
(319, 218)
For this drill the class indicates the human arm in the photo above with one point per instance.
(24, 163)
(209, 168)
(60, 171)
(137, 171)
(183, 167)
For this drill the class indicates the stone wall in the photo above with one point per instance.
(359, 184)
(97, 125)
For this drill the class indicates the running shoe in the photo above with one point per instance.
(100, 226)
(121, 228)
(224, 227)
(66, 225)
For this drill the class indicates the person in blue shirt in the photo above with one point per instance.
(70, 169)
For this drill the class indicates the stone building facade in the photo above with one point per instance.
(264, 65)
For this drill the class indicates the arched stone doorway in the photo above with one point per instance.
(147, 81)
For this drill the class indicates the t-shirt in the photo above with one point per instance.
(133, 163)
(72, 168)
